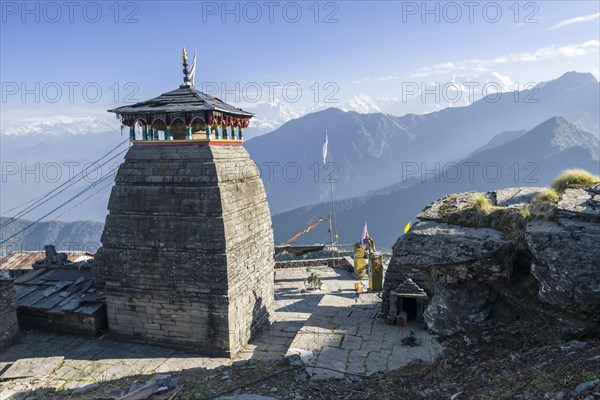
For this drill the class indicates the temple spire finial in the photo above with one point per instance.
(186, 72)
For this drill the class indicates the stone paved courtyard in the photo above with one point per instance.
(333, 327)
(345, 334)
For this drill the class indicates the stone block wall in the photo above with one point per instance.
(9, 327)
(346, 263)
(187, 257)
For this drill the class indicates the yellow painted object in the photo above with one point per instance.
(376, 272)
(357, 286)
(360, 261)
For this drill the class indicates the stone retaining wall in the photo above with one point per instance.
(9, 327)
(341, 262)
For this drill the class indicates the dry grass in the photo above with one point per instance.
(549, 195)
(574, 178)
(481, 203)
(545, 204)
(508, 220)
(482, 214)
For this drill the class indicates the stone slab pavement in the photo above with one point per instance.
(345, 335)
(85, 360)
(333, 326)
(28, 367)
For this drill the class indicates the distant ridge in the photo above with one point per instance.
(66, 236)
(370, 150)
(532, 159)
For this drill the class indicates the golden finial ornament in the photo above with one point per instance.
(186, 71)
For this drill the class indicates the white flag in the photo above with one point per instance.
(325, 149)
(193, 71)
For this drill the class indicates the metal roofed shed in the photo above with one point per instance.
(60, 300)
(21, 262)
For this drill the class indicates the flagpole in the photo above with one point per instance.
(331, 235)
(332, 219)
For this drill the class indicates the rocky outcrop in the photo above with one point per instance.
(437, 248)
(581, 204)
(471, 259)
(457, 252)
(439, 210)
(458, 306)
(515, 197)
(566, 253)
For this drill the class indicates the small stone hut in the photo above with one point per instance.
(409, 300)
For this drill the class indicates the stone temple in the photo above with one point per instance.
(187, 256)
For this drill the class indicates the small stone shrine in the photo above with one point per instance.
(407, 303)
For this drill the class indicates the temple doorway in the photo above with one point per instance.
(409, 306)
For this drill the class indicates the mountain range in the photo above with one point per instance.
(66, 236)
(371, 151)
(415, 97)
(37, 164)
(456, 91)
(534, 158)
(373, 157)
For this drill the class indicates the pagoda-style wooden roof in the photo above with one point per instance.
(185, 99)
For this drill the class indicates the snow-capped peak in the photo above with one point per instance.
(361, 103)
(59, 124)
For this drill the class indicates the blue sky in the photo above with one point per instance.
(362, 46)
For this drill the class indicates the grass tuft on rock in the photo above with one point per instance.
(574, 178)
(482, 214)
(545, 204)
(481, 203)
(549, 195)
(479, 211)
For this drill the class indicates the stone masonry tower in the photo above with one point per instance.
(187, 256)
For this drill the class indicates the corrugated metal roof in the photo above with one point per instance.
(59, 291)
(184, 99)
(21, 260)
